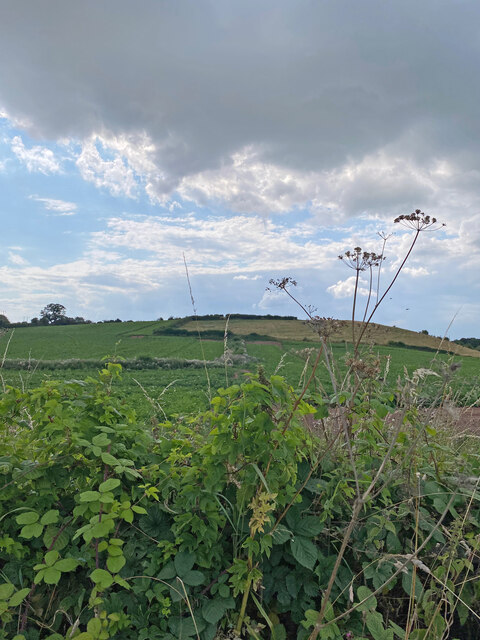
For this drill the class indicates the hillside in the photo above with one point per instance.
(299, 330)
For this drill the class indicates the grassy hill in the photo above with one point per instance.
(298, 330)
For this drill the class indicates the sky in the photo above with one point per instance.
(251, 140)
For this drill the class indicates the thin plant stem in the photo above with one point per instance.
(192, 299)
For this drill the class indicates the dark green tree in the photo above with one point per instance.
(4, 321)
(53, 313)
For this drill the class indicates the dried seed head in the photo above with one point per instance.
(418, 221)
(359, 260)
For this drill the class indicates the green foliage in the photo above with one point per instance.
(228, 518)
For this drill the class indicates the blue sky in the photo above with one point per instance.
(258, 141)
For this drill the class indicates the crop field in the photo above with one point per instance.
(182, 390)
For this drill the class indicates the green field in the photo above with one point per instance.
(188, 387)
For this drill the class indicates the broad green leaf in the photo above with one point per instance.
(51, 557)
(168, 572)
(374, 622)
(29, 517)
(101, 440)
(89, 496)
(31, 531)
(139, 509)
(39, 577)
(112, 550)
(103, 579)
(65, 565)
(115, 563)
(184, 562)
(304, 551)
(18, 597)
(127, 515)
(94, 626)
(109, 485)
(362, 593)
(213, 610)
(51, 575)
(6, 590)
(281, 535)
(193, 578)
(309, 527)
(50, 517)
(107, 458)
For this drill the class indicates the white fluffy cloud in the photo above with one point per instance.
(37, 158)
(114, 175)
(346, 288)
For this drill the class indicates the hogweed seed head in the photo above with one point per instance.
(359, 260)
(418, 221)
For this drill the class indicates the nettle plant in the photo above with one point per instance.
(278, 513)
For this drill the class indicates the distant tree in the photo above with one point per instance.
(425, 332)
(53, 313)
(4, 321)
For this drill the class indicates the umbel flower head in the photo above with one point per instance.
(359, 260)
(418, 221)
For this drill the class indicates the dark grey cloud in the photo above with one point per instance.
(311, 84)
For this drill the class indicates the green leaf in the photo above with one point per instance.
(115, 563)
(374, 622)
(139, 509)
(101, 440)
(31, 531)
(184, 562)
(109, 485)
(213, 610)
(309, 527)
(127, 515)
(281, 535)
(51, 575)
(89, 496)
(304, 551)
(168, 572)
(112, 550)
(193, 578)
(53, 536)
(94, 626)
(362, 593)
(117, 542)
(6, 590)
(51, 557)
(50, 517)
(101, 578)
(107, 458)
(29, 517)
(18, 597)
(66, 565)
